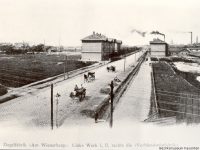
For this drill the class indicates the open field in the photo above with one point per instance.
(175, 96)
(19, 70)
(3, 90)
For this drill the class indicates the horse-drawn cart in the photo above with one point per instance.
(78, 93)
(89, 77)
(111, 68)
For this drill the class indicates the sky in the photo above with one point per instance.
(68, 21)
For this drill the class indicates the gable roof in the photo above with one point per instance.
(100, 37)
(95, 37)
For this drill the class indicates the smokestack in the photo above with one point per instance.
(158, 33)
(191, 37)
(197, 39)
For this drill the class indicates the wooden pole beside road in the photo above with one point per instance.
(52, 106)
(111, 104)
(125, 60)
(64, 66)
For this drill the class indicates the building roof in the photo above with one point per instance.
(119, 41)
(100, 37)
(95, 37)
(111, 40)
(157, 41)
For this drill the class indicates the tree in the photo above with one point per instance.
(37, 48)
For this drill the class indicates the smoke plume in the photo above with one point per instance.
(139, 32)
(157, 32)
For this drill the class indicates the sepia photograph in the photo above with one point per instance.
(99, 74)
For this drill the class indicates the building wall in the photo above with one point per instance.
(116, 47)
(92, 47)
(107, 49)
(158, 50)
(91, 51)
(98, 51)
(91, 56)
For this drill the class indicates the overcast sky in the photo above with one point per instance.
(70, 20)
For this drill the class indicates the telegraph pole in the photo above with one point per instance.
(135, 56)
(111, 103)
(52, 106)
(125, 60)
(66, 65)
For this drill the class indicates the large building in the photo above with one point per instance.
(158, 48)
(98, 47)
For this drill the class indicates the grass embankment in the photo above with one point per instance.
(19, 70)
(175, 96)
(3, 90)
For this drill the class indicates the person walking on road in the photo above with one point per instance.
(96, 117)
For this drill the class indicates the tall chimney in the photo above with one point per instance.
(93, 32)
(191, 37)
(197, 39)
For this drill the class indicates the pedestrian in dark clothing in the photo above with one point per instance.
(85, 78)
(96, 117)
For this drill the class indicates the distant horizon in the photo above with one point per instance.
(66, 22)
(79, 46)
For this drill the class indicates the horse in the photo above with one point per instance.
(91, 74)
(85, 78)
(79, 92)
(112, 68)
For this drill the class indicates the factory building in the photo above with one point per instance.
(98, 47)
(158, 48)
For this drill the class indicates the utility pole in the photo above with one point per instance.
(64, 66)
(111, 103)
(125, 60)
(135, 56)
(52, 106)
